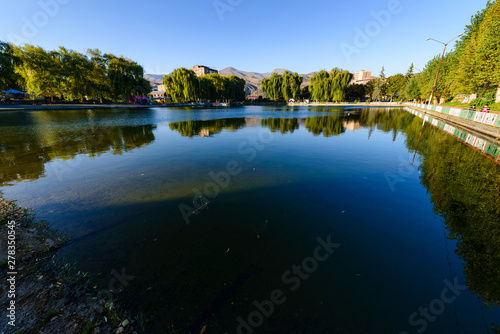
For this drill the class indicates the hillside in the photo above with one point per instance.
(154, 79)
(252, 79)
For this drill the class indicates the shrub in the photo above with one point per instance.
(480, 103)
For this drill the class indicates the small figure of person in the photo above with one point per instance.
(473, 107)
(486, 108)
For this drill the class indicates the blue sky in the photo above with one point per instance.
(250, 35)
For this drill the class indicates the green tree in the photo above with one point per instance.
(320, 86)
(396, 85)
(379, 89)
(181, 85)
(290, 85)
(428, 76)
(76, 70)
(99, 81)
(40, 70)
(409, 73)
(477, 53)
(339, 81)
(355, 92)
(8, 61)
(412, 89)
(273, 87)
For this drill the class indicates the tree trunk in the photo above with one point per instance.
(498, 95)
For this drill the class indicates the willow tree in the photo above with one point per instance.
(320, 86)
(40, 70)
(182, 85)
(273, 87)
(100, 84)
(76, 69)
(339, 81)
(8, 61)
(290, 85)
(236, 88)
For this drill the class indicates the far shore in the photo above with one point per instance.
(15, 107)
(138, 106)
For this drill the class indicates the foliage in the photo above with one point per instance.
(412, 89)
(443, 88)
(75, 75)
(478, 64)
(380, 86)
(355, 92)
(209, 127)
(327, 125)
(331, 86)
(8, 61)
(181, 85)
(396, 85)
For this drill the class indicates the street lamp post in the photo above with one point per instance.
(440, 62)
(433, 88)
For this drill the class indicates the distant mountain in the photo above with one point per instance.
(252, 79)
(154, 79)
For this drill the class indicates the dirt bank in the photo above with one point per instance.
(49, 295)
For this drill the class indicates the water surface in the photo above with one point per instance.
(264, 184)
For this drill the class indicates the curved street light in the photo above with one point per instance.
(433, 88)
(439, 68)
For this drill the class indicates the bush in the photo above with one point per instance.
(368, 100)
(479, 103)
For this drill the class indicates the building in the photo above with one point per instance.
(158, 94)
(361, 77)
(201, 70)
(161, 88)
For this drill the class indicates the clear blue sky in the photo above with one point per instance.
(250, 35)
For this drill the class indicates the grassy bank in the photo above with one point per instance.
(493, 106)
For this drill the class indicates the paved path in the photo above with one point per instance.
(484, 129)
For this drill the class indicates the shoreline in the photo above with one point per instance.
(46, 294)
(72, 107)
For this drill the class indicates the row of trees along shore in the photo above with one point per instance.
(182, 85)
(473, 67)
(69, 74)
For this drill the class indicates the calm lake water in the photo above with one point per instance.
(267, 220)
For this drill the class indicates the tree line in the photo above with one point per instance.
(182, 85)
(330, 86)
(473, 67)
(69, 74)
(282, 87)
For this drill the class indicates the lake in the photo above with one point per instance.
(267, 219)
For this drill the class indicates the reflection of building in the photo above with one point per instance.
(361, 77)
(352, 125)
(205, 132)
(201, 70)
